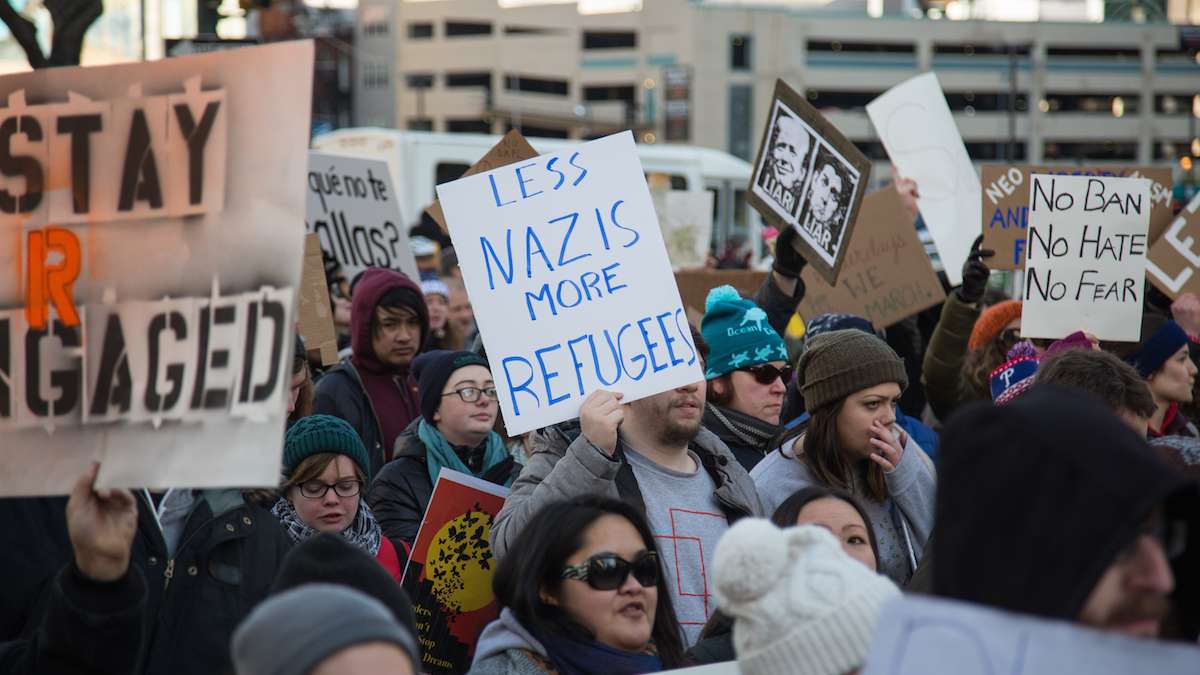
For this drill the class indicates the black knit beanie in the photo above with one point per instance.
(433, 369)
(328, 558)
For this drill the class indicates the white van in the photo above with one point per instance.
(420, 160)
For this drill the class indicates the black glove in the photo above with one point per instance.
(788, 261)
(975, 273)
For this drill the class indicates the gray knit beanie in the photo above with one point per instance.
(290, 633)
(841, 362)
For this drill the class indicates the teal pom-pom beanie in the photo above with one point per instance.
(738, 333)
(318, 434)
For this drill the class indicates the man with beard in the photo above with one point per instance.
(652, 452)
(785, 172)
(823, 202)
(1052, 506)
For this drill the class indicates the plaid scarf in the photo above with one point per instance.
(363, 532)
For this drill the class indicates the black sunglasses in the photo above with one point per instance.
(766, 373)
(608, 571)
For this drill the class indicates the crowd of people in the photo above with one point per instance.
(765, 514)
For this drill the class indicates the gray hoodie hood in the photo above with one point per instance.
(503, 634)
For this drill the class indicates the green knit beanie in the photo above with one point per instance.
(318, 434)
(737, 333)
(841, 362)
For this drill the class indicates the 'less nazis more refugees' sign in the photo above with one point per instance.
(1087, 256)
(565, 265)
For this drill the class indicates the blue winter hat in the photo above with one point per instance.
(1158, 348)
(737, 333)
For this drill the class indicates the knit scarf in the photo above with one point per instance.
(438, 452)
(749, 430)
(587, 657)
(363, 532)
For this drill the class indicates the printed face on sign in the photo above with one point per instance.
(828, 202)
(785, 162)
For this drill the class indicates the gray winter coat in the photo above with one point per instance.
(506, 648)
(564, 464)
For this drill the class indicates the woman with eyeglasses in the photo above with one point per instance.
(586, 597)
(325, 468)
(851, 382)
(455, 431)
(747, 372)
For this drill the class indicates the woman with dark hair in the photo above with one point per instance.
(835, 510)
(851, 383)
(586, 596)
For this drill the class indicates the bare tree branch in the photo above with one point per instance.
(71, 18)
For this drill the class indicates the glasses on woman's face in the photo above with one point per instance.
(317, 489)
(608, 571)
(471, 394)
(766, 373)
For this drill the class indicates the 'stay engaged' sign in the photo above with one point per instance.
(1086, 256)
(565, 266)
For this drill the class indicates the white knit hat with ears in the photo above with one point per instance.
(801, 605)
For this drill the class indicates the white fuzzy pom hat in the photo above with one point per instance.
(801, 605)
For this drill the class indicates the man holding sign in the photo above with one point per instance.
(574, 295)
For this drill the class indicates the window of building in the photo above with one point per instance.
(469, 126)
(420, 124)
(374, 28)
(1106, 53)
(419, 80)
(1176, 104)
(536, 85)
(840, 100)
(467, 28)
(740, 48)
(444, 172)
(1117, 104)
(531, 131)
(861, 47)
(375, 75)
(972, 102)
(609, 39)
(988, 151)
(1166, 150)
(471, 79)
(609, 92)
(532, 30)
(1091, 150)
(979, 49)
(874, 150)
(420, 31)
(741, 99)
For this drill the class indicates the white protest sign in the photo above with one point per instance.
(917, 130)
(565, 266)
(152, 228)
(686, 219)
(920, 635)
(353, 207)
(1086, 256)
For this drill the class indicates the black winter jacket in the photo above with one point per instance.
(88, 628)
(400, 493)
(225, 563)
(340, 393)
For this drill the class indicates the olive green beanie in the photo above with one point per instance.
(841, 362)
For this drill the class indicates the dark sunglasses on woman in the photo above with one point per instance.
(766, 373)
(608, 571)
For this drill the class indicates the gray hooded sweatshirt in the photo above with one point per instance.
(506, 648)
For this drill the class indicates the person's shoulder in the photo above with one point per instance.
(512, 662)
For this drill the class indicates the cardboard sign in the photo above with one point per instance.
(886, 278)
(352, 206)
(512, 148)
(808, 175)
(449, 574)
(694, 286)
(1174, 259)
(917, 130)
(316, 313)
(919, 635)
(568, 275)
(1087, 256)
(153, 251)
(1006, 204)
(686, 219)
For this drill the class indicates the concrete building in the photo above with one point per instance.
(703, 73)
